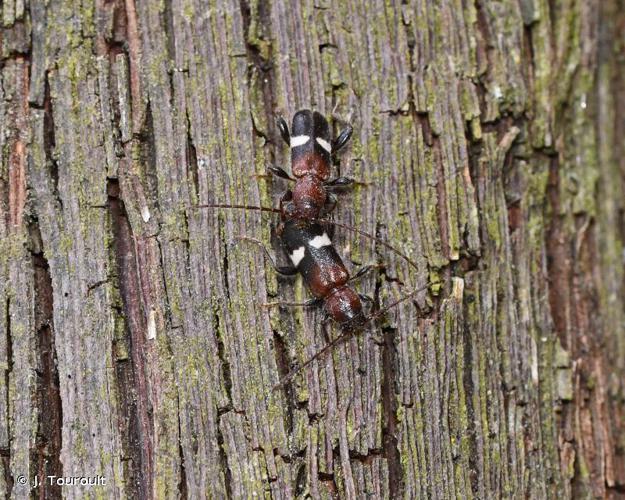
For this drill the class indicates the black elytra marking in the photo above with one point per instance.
(312, 125)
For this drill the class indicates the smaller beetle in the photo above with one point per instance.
(311, 154)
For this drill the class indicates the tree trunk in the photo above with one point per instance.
(134, 346)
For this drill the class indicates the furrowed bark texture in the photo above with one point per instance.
(133, 341)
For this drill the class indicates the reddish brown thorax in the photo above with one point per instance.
(309, 197)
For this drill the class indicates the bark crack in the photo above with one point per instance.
(49, 142)
(128, 351)
(389, 410)
(223, 457)
(182, 485)
(50, 416)
(5, 453)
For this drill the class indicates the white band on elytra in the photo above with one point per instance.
(297, 255)
(324, 144)
(299, 140)
(320, 241)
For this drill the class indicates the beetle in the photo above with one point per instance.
(312, 150)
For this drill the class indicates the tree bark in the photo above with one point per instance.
(133, 342)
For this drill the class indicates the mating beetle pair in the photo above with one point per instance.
(303, 231)
(306, 241)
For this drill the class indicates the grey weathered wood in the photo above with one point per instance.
(133, 341)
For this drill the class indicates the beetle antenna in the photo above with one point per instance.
(345, 336)
(374, 238)
(320, 221)
(333, 343)
(244, 207)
